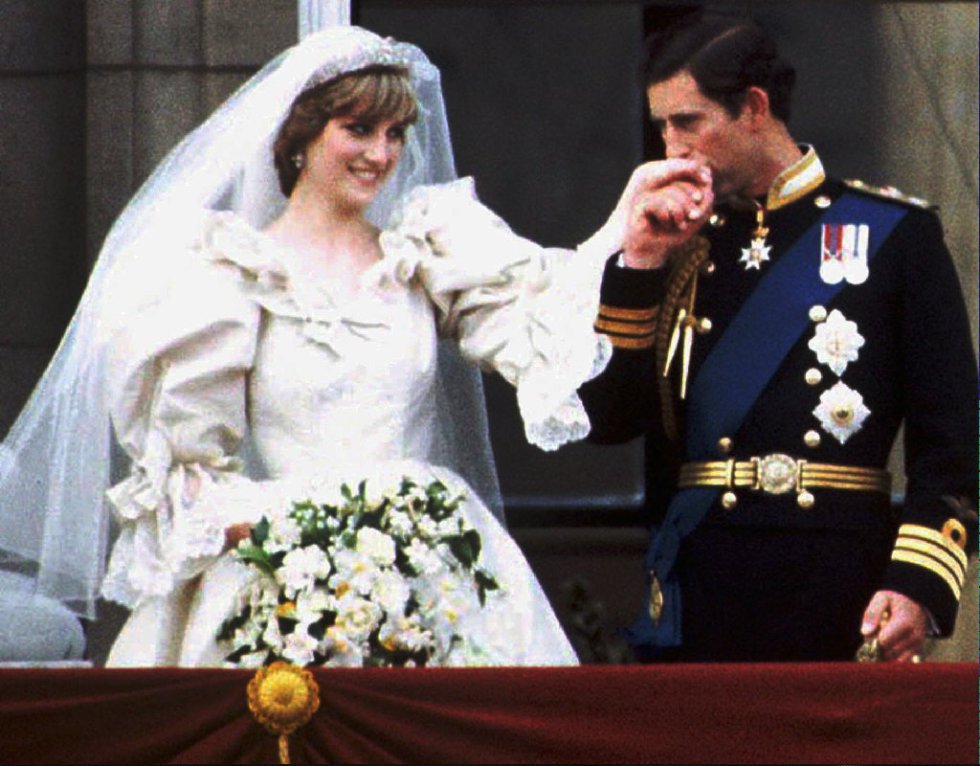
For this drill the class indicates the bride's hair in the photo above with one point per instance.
(374, 94)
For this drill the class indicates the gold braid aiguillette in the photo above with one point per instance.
(677, 323)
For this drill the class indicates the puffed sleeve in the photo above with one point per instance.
(524, 311)
(177, 400)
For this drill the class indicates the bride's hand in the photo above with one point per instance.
(669, 201)
(235, 534)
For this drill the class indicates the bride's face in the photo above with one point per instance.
(351, 159)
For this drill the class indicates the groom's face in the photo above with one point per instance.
(695, 127)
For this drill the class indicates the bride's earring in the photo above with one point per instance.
(298, 160)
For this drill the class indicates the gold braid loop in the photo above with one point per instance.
(686, 262)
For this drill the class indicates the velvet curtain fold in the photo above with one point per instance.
(785, 713)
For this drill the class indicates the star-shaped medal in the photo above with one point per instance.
(755, 254)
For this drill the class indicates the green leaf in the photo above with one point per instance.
(473, 538)
(465, 547)
(485, 579)
(260, 532)
(257, 557)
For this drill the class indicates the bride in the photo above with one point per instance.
(264, 322)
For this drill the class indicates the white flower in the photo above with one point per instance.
(301, 567)
(247, 635)
(836, 342)
(448, 527)
(271, 635)
(284, 534)
(391, 593)
(355, 570)
(404, 634)
(423, 558)
(344, 650)
(299, 646)
(376, 545)
(357, 617)
(428, 526)
(263, 593)
(311, 604)
(400, 523)
(350, 573)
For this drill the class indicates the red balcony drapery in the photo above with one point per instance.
(785, 713)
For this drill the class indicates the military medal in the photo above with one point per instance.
(841, 411)
(836, 342)
(844, 253)
(758, 250)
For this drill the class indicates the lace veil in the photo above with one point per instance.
(56, 462)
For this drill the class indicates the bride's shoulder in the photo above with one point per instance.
(429, 204)
(230, 243)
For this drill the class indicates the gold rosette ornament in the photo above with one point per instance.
(283, 697)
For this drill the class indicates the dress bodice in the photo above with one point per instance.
(372, 397)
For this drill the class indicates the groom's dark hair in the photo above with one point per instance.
(725, 56)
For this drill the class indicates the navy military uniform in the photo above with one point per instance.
(795, 529)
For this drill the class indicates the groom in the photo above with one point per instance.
(772, 327)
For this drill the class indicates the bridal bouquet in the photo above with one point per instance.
(372, 581)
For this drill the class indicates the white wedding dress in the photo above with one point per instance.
(328, 388)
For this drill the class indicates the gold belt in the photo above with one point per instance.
(778, 474)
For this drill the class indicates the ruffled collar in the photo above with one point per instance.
(264, 277)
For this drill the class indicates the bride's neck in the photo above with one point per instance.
(310, 223)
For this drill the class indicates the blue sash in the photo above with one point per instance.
(790, 287)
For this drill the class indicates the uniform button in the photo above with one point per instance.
(805, 500)
(708, 268)
(704, 325)
(725, 445)
(717, 220)
(813, 376)
(822, 202)
(729, 500)
(954, 531)
(818, 313)
(811, 439)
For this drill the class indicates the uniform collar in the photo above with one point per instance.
(796, 181)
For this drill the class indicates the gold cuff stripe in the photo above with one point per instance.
(631, 343)
(625, 328)
(917, 559)
(633, 315)
(937, 538)
(939, 554)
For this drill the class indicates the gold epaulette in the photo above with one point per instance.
(889, 192)
(628, 328)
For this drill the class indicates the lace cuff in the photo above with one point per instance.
(169, 533)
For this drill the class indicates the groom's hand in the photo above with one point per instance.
(668, 202)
